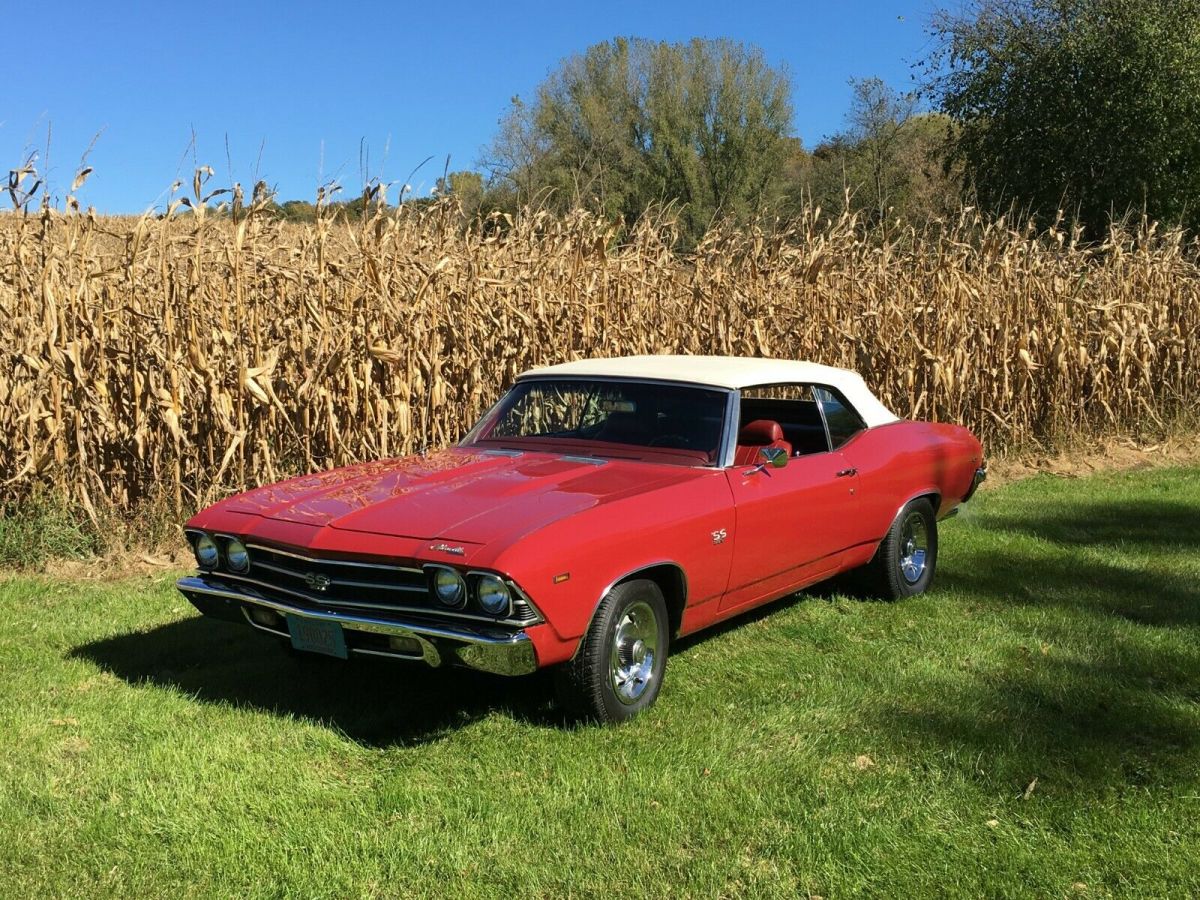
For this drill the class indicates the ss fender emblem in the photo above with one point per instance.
(719, 536)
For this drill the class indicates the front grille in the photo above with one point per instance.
(340, 581)
(323, 583)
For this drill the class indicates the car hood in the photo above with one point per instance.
(458, 494)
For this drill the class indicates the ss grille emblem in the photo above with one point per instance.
(316, 581)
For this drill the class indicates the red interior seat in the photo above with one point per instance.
(756, 435)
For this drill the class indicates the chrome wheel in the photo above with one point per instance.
(634, 649)
(914, 547)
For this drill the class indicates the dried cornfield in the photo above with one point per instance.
(191, 355)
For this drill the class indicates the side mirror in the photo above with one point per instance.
(776, 457)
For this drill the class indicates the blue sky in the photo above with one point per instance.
(297, 87)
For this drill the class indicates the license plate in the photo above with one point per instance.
(316, 636)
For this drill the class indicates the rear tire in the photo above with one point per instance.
(618, 669)
(905, 562)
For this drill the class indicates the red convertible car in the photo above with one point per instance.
(600, 510)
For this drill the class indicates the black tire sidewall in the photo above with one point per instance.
(600, 640)
(901, 586)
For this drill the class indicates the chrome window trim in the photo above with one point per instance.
(733, 412)
(829, 448)
(812, 386)
(625, 379)
(846, 403)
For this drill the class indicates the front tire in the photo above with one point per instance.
(905, 562)
(618, 669)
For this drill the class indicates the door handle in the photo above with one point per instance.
(845, 472)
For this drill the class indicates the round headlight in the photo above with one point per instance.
(237, 556)
(449, 587)
(493, 595)
(207, 554)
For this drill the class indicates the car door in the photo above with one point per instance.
(845, 426)
(790, 523)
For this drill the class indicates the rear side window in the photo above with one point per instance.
(841, 419)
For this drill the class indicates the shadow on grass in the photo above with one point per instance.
(1132, 524)
(374, 702)
(682, 645)
(1099, 688)
(1085, 586)
(1099, 691)
(1109, 697)
(1090, 723)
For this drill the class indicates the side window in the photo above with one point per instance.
(794, 408)
(776, 393)
(844, 423)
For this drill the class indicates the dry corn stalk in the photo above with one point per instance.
(193, 355)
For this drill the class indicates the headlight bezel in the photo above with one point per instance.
(203, 542)
(230, 544)
(485, 580)
(459, 599)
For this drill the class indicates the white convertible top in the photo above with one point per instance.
(733, 372)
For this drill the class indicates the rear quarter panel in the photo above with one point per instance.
(903, 460)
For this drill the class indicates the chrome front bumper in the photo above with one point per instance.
(488, 650)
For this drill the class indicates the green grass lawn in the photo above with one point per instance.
(825, 746)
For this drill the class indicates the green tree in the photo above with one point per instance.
(466, 186)
(889, 162)
(878, 115)
(1092, 106)
(298, 211)
(630, 122)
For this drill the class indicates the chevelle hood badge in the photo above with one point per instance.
(446, 548)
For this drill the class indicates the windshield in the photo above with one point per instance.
(617, 419)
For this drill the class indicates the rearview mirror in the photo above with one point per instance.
(776, 457)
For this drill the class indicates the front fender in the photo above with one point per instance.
(568, 567)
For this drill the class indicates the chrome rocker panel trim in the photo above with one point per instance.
(500, 654)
